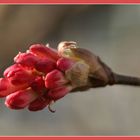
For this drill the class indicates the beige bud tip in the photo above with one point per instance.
(64, 48)
(78, 74)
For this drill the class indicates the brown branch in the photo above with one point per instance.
(126, 80)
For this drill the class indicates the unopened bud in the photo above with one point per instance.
(18, 75)
(26, 59)
(20, 99)
(38, 85)
(64, 48)
(59, 92)
(44, 51)
(45, 65)
(55, 79)
(65, 63)
(6, 87)
(78, 74)
(39, 104)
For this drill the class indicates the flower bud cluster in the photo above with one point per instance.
(42, 75)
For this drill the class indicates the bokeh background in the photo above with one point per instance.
(110, 31)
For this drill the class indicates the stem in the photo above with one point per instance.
(126, 80)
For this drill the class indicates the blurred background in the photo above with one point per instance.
(111, 32)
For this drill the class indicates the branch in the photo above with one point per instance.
(126, 80)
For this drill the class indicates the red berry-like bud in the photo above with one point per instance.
(26, 59)
(18, 75)
(55, 79)
(64, 63)
(20, 99)
(11, 70)
(3, 84)
(38, 85)
(6, 87)
(59, 92)
(44, 51)
(45, 65)
(39, 104)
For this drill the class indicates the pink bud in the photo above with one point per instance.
(44, 51)
(45, 65)
(20, 99)
(55, 79)
(19, 75)
(38, 85)
(3, 84)
(64, 63)
(26, 59)
(10, 70)
(6, 87)
(59, 92)
(39, 104)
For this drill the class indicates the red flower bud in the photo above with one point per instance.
(19, 75)
(20, 99)
(10, 70)
(26, 59)
(6, 87)
(3, 84)
(39, 104)
(55, 79)
(64, 63)
(45, 65)
(44, 51)
(59, 92)
(38, 85)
